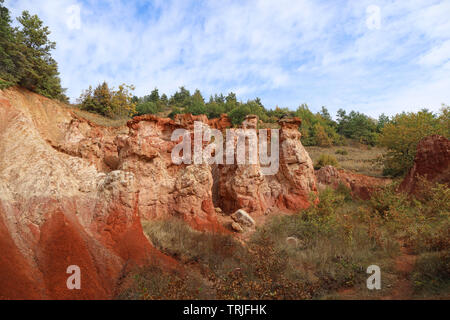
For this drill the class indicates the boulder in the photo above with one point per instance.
(243, 218)
(236, 227)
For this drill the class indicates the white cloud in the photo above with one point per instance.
(437, 55)
(286, 52)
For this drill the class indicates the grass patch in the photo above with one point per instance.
(356, 158)
(177, 239)
(329, 249)
(99, 119)
(431, 275)
(342, 152)
(335, 245)
(325, 160)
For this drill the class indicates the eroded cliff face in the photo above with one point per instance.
(74, 193)
(61, 206)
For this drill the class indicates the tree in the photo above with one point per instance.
(321, 137)
(154, 96)
(402, 134)
(109, 102)
(164, 100)
(8, 48)
(25, 55)
(121, 102)
(40, 73)
(180, 98)
(382, 121)
(325, 114)
(357, 126)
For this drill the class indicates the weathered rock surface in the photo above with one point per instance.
(236, 227)
(243, 218)
(361, 186)
(243, 186)
(74, 193)
(432, 162)
(59, 209)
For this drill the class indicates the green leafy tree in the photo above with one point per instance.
(109, 102)
(402, 134)
(181, 98)
(357, 126)
(321, 137)
(382, 121)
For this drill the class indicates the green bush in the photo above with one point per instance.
(325, 160)
(147, 108)
(431, 275)
(402, 135)
(108, 102)
(342, 152)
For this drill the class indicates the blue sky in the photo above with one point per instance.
(371, 56)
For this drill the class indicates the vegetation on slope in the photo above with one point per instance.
(336, 241)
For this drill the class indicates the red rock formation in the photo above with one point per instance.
(243, 186)
(74, 193)
(432, 162)
(220, 123)
(361, 186)
(58, 209)
(166, 189)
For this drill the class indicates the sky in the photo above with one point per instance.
(370, 56)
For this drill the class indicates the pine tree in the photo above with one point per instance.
(40, 73)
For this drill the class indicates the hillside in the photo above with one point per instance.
(109, 200)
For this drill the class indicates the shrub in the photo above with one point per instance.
(342, 152)
(153, 282)
(177, 239)
(431, 273)
(325, 160)
(147, 108)
(334, 246)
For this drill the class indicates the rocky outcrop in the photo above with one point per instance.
(243, 186)
(74, 193)
(361, 186)
(166, 189)
(432, 162)
(57, 208)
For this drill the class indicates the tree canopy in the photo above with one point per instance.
(25, 55)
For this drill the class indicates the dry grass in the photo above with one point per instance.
(99, 119)
(359, 159)
(336, 241)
